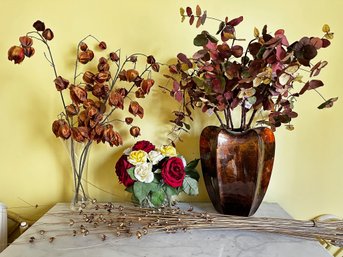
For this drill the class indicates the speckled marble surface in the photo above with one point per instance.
(223, 243)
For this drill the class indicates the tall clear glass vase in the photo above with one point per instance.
(79, 156)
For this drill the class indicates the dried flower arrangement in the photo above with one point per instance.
(94, 95)
(154, 175)
(265, 78)
(108, 221)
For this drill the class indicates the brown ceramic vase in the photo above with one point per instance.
(237, 167)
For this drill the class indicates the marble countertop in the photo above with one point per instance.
(200, 243)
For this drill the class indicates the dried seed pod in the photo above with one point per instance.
(51, 239)
(48, 34)
(140, 93)
(135, 131)
(103, 67)
(133, 58)
(146, 84)
(39, 25)
(139, 234)
(16, 54)
(102, 45)
(151, 59)
(114, 57)
(145, 230)
(83, 46)
(61, 83)
(88, 77)
(128, 120)
(102, 77)
(131, 75)
(136, 109)
(72, 110)
(25, 41)
(29, 51)
(155, 67)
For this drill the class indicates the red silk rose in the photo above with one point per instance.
(121, 166)
(144, 145)
(173, 172)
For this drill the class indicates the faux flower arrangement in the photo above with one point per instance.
(154, 175)
(263, 80)
(92, 97)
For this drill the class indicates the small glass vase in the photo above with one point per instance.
(79, 155)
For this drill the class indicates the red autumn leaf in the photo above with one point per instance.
(312, 84)
(328, 103)
(203, 18)
(325, 42)
(237, 51)
(189, 11)
(183, 58)
(316, 42)
(198, 22)
(191, 20)
(236, 21)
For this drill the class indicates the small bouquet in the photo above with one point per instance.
(155, 175)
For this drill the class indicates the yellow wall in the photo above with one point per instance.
(308, 172)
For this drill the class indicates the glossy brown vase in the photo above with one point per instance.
(237, 167)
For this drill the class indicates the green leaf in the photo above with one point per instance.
(187, 126)
(200, 40)
(252, 100)
(141, 190)
(170, 191)
(199, 82)
(221, 26)
(134, 199)
(212, 38)
(190, 186)
(157, 198)
(129, 189)
(192, 164)
(131, 173)
(193, 173)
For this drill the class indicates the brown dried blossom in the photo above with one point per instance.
(135, 109)
(29, 51)
(39, 25)
(95, 95)
(61, 83)
(131, 75)
(48, 34)
(16, 54)
(135, 131)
